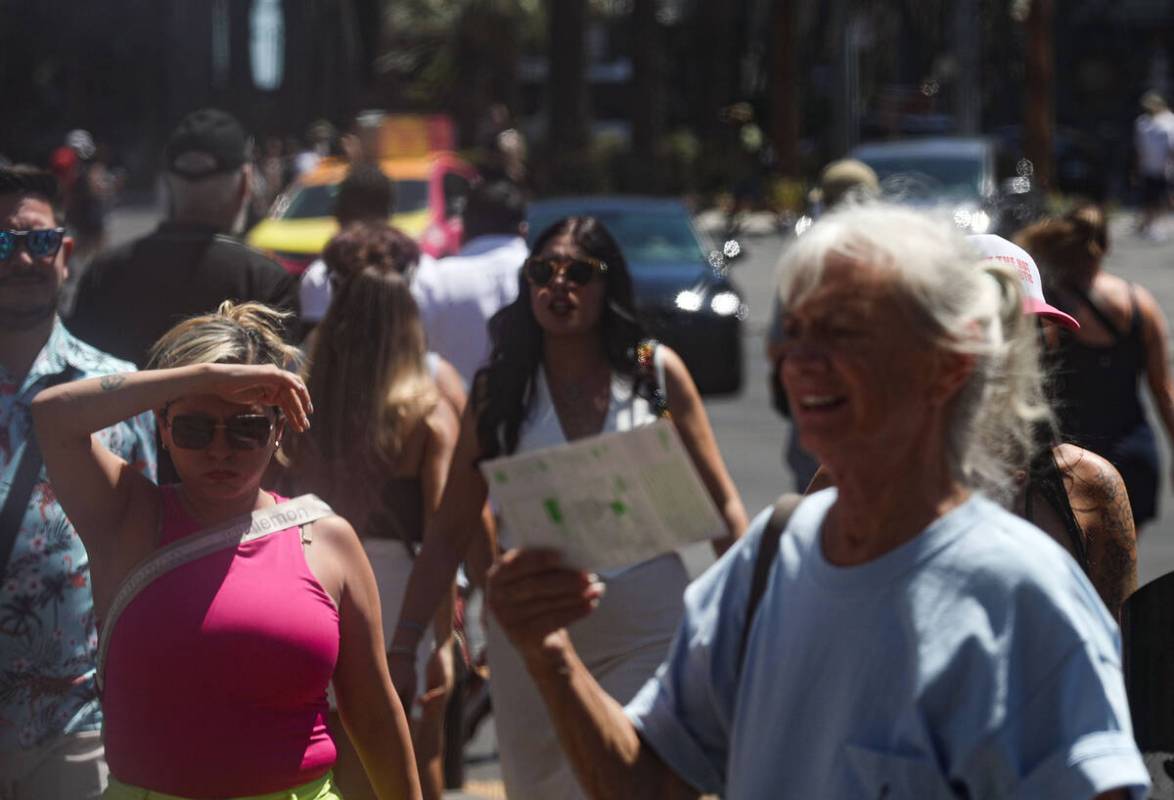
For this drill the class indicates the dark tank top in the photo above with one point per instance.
(1097, 385)
(397, 512)
(401, 515)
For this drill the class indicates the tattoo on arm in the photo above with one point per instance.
(1111, 536)
(111, 382)
(1118, 566)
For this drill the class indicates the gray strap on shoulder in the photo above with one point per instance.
(764, 560)
(297, 512)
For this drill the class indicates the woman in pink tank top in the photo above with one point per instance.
(215, 673)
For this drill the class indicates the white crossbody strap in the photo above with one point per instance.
(297, 512)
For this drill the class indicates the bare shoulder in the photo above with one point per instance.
(1088, 476)
(676, 374)
(1107, 281)
(335, 532)
(1147, 306)
(450, 385)
(334, 554)
(673, 363)
(443, 424)
(1112, 288)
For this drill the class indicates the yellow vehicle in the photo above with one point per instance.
(430, 191)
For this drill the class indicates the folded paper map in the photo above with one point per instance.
(605, 502)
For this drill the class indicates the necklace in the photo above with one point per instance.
(581, 406)
(576, 392)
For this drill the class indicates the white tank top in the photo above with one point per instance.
(622, 642)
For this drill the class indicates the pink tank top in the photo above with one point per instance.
(216, 674)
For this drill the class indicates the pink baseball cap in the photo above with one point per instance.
(997, 249)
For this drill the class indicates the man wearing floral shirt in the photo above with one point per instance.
(50, 739)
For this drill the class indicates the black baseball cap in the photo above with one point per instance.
(207, 142)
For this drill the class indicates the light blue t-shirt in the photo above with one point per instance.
(974, 661)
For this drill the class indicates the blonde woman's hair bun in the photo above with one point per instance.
(235, 333)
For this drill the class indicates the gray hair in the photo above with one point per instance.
(963, 307)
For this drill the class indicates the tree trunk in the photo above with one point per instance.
(645, 99)
(1039, 115)
(567, 84)
(967, 83)
(784, 88)
(239, 94)
(716, 37)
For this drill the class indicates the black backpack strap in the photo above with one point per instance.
(24, 480)
(1100, 313)
(764, 559)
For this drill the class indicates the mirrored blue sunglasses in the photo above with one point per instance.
(40, 243)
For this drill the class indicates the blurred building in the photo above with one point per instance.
(127, 70)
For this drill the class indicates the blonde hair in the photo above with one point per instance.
(367, 374)
(236, 333)
(962, 307)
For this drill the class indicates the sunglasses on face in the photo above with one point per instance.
(244, 432)
(579, 271)
(40, 243)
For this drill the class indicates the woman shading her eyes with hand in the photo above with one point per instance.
(214, 673)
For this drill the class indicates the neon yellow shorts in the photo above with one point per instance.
(321, 789)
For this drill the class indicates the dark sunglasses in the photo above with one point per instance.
(579, 271)
(244, 432)
(40, 243)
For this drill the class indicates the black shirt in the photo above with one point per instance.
(132, 295)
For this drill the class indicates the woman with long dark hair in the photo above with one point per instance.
(569, 361)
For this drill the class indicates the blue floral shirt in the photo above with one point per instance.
(47, 636)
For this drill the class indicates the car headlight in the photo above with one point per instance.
(689, 300)
(725, 304)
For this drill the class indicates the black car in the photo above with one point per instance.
(682, 290)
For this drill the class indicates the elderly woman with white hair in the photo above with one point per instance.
(1072, 494)
(913, 638)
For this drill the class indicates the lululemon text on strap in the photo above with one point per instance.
(245, 528)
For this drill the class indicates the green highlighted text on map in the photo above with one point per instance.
(553, 511)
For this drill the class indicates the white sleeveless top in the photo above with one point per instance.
(622, 642)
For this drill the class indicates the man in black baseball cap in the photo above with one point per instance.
(190, 264)
(131, 295)
(207, 142)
